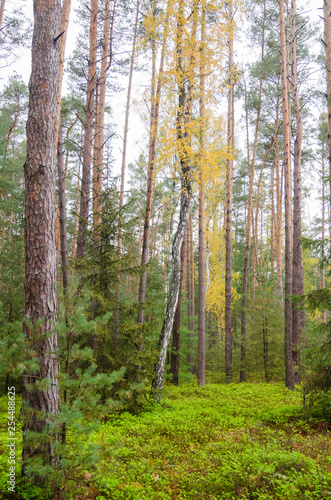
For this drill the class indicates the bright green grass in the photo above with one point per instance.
(219, 442)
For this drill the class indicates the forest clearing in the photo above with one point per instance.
(248, 441)
(165, 249)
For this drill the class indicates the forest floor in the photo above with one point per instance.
(241, 441)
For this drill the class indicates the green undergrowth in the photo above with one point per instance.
(238, 441)
(241, 441)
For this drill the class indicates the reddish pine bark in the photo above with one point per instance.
(40, 214)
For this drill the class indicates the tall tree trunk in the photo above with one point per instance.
(323, 236)
(153, 132)
(176, 326)
(278, 222)
(228, 237)
(327, 46)
(251, 172)
(100, 115)
(40, 248)
(185, 208)
(298, 316)
(66, 7)
(87, 155)
(74, 239)
(202, 241)
(289, 371)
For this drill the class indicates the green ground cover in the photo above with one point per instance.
(219, 442)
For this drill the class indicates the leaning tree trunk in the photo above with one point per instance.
(185, 207)
(40, 245)
(289, 371)
(298, 315)
(176, 327)
(228, 237)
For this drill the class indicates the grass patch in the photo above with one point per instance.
(219, 442)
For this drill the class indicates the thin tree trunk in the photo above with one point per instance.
(202, 242)
(154, 122)
(289, 371)
(66, 7)
(62, 212)
(40, 248)
(278, 224)
(228, 238)
(323, 237)
(74, 239)
(185, 208)
(176, 326)
(87, 156)
(298, 319)
(251, 172)
(190, 293)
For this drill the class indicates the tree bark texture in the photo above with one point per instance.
(185, 208)
(176, 326)
(40, 215)
(228, 236)
(87, 155)
(202, 239)
(289, 371)
(298, 315)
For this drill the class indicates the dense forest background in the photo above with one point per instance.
(207, 257)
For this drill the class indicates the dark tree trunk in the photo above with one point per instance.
(40, 245)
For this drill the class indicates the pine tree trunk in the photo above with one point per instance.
(62, 213)
(202, 242)
(278, 222)
(289, 371)
(251, 172)
(298, 316)
(40, 247)
(87, 155)
(228, 237)
(153, 132)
